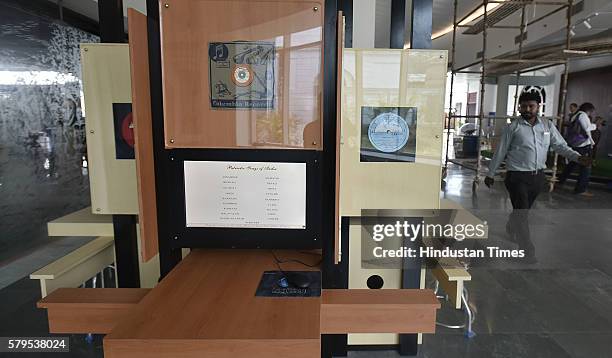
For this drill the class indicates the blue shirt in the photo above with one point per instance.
(525, 147)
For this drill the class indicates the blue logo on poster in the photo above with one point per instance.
(218, 52)
(388, 132)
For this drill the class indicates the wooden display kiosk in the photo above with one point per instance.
(237, 107)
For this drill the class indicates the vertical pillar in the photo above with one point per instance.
(110, 13)
(420, 34)
(347, 10)
(398, 23)
(126, 251)
(124, 226)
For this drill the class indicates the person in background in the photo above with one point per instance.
(524, 144)
(573, 107)
(579, 137)
(596, 135)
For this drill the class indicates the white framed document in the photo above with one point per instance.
(245, 194)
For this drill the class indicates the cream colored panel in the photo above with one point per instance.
(106, 80)
(392, 78)
(358, 279)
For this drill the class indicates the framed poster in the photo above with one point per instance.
(241, 74)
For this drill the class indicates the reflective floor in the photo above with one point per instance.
(559, 307)
(40, 180)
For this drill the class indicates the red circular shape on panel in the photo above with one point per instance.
(127, 130)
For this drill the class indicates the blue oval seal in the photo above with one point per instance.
(388, 132)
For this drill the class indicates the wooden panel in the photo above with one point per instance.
(89, 310)
(81, 223)
(378, 311)
(392, 78)
(339, 48)
(400, 297)
(226, 348)
(106, 80)
(143, 133)
(210, 298)
(295, 27)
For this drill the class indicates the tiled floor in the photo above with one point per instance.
(559, 307)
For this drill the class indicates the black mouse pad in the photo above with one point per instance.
(271, 285)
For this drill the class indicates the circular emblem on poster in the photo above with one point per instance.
(127, 130)
(388, 132)
(242, 75)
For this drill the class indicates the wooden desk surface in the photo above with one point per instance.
(208, 300)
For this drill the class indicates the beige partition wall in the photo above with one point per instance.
(358, 277)
(106, 81)
(410, 83)
(385, 176)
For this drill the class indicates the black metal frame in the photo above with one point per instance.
(169, 256)
(398, 23)
(247, 238)
(420, 33)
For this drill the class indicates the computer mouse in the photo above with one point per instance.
(283, 282)
(297, 279)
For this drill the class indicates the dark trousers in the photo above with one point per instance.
(524, 188)
(585, 172)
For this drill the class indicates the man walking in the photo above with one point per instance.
(524, 144)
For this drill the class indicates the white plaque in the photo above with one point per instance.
(245, 194)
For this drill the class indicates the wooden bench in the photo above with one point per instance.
(81, 223)
(449, 273)
(76, 267)
(89, 310)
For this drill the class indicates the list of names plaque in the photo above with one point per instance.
(245, 194)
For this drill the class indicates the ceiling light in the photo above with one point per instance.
(572, 33)
(587, 24)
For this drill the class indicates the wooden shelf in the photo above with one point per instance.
(206, 307)
(378, 311)
(89, 310)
